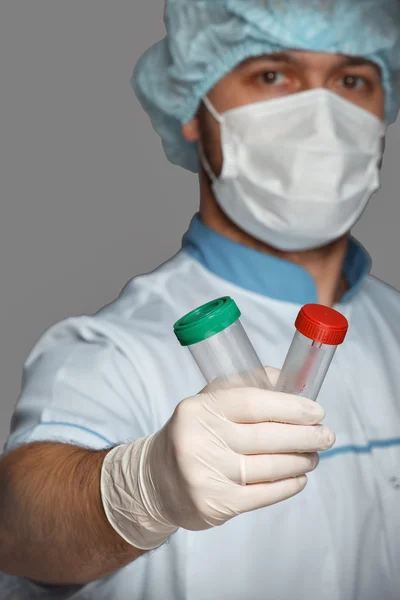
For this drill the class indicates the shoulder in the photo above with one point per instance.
(377, 311)
(142, 315)
(125, 357)
(154, 301)
(382, 294)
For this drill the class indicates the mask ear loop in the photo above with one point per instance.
(202, 155)
(212, 110)
(205, 163)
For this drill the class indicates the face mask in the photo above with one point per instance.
(298, 171)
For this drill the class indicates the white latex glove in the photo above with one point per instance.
(195, 472)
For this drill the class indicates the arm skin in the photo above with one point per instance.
(53, 528)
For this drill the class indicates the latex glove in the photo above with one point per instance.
(193, 472)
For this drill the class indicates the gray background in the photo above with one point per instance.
(87, 198)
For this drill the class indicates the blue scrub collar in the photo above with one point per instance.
(265, 274)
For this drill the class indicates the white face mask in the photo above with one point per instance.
(298, 171)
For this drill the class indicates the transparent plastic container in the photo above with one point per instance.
(220, 346)
(319, 331)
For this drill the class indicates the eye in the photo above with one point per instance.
(272, 77)
(353, 82)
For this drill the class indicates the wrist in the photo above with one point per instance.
(129, 496)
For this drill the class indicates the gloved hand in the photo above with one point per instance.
(195, 472)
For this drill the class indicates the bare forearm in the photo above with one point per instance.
(53, 528)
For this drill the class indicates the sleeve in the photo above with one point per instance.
(81, 385)
(18, 588)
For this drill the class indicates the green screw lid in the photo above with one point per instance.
(206, 321)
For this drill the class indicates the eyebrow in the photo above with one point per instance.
(358, 61)
(283, 57)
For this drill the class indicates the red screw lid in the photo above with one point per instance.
(322, 324)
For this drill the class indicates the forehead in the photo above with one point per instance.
(308, 59)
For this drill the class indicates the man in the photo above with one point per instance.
(282, 107)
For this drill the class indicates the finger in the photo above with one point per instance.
(260, 495)
(267, 468)
(275, 438)
(251, 405)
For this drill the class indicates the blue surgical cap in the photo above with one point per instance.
(208, 38)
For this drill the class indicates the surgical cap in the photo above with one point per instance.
(206, 39)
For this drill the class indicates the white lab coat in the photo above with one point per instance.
(118, 375)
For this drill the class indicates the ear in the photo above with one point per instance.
(191, 130)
